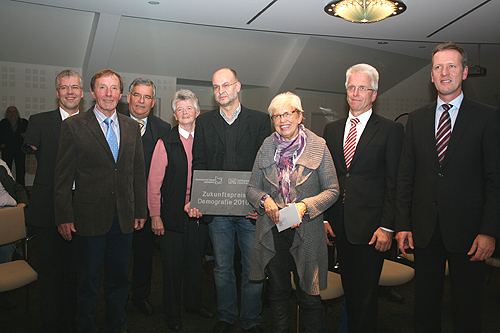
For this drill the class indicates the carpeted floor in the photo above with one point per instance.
(393, 317)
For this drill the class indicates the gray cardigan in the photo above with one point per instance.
(314, 182)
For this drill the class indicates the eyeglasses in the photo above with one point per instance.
(188, 109)
(361, 89)
(285, 116)
(224, 86)
(139, 96)
(68, 88)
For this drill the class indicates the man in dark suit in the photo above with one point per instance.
(100, 198)
(366, 149)
(228, 138)
(141, 98)
(448, 195)
(12, 132)
(55, 256)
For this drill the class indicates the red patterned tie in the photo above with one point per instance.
(443, 133)
(350, 147)
(350, 143)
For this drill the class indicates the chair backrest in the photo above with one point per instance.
(12, 227)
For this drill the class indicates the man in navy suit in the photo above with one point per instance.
(448, 195)
(55, 256)
(366, 149)
(141, 98)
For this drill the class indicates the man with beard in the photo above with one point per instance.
(12, 132)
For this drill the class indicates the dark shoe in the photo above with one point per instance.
(222, 327)
(145, 306)
(395, 297)
(254, 329)
(203, 312)
(174, 323)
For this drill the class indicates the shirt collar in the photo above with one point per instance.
(144, 120)
(100, 116)
(65, 114)
(363, 118)
(235, 115)
(184, 133)
(457, 102)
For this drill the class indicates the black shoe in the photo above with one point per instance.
(222, 327)
(203, 312)
(395, 297)
(174, 323)
(253, 329)
(145, 306)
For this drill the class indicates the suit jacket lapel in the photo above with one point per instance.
(339, 139)
(217, 122)
(95, 128)
(370, 129)
(243, 124)
(464, 117)
(428, 130)
(55, 123)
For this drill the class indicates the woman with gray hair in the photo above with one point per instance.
(292, 167)
(181, 238)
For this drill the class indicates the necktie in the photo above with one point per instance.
(142, 126)
(350, 142)
(443, 133)
(111, 138)
(350, 146)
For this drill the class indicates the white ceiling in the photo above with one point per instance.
(292, 44)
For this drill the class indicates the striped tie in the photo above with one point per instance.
(350, 146)
(142, 126)
(350, 143)
(443, 133)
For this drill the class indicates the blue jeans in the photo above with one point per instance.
(222, 231)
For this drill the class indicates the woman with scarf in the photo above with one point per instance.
(292, 167)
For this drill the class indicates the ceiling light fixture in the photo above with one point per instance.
(364, 11)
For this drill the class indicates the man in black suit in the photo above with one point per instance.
(228, 138)
(55, 256)
(448, 195)
(100, 198)
(12, 133)
(141, 98)
(366, 150)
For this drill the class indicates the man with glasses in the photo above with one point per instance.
(365, 149)
(55, 256)
(141, 98)
(228, 138)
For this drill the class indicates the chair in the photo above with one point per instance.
(18, 273)
(395, 274)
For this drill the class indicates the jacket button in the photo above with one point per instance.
(440, 174)
(348, 175)
(435, 203)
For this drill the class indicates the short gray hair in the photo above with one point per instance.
(185, 95)
(68, 73)
(363, 68)
(142, 81)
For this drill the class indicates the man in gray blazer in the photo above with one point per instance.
(100, 198)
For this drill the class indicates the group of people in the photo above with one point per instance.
(108, 185)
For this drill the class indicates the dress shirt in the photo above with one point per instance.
(6, 200)
(235, 115)
(65, 115)
(360, 127)
(144, 120)
(115, 126)
(456, 103)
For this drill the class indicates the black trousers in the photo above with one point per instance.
(181, 256)
(467, 286)
(143, 244)
(360, 267)
(56, 278)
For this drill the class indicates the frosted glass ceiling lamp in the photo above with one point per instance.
(364, 11)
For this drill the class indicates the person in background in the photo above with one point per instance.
(55, 255)
(182, 239)
(141, 98)
(12, 133)
(448, 195)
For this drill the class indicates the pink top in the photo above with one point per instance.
(159, 163)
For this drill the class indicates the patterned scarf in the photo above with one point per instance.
(285, 156)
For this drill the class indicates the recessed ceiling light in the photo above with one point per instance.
(383, 43)
(153, 2)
